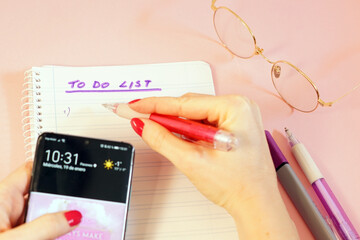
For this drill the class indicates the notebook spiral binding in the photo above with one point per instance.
(31, 111)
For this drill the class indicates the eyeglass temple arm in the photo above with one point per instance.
(329, 104)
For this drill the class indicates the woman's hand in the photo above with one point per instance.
(13, 194)
(224, 177)
(243, 180)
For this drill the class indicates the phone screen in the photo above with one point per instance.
(89, 175)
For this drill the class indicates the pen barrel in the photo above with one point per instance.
(306, 162)
(304, 204)
(190, 129)
(337, 214)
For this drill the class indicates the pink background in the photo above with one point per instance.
(321, 37)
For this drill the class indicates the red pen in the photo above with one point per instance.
(193, 131)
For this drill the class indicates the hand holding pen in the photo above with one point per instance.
(241, 180)
(193, 131)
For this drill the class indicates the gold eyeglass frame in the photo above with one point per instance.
(259, 51)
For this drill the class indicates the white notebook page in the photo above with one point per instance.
(164, 204)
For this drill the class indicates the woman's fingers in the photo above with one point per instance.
(192, 106)
(178, 151)
(19, 180)
(46, 227)
(12, 191)
(230, 112)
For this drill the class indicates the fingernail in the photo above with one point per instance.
(137, 125)
(73, 217)
(134, 101)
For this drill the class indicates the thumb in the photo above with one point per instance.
(48, 226)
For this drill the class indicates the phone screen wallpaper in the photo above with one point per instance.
(101, 219)
(89, 175)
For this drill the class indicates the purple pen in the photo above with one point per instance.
(298, 194)
(341, 222)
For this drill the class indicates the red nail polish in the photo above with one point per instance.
(73, 217)
(134, 101)
(137, 125)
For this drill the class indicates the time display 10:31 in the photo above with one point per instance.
(56, 156)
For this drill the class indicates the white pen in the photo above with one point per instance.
(342, 223)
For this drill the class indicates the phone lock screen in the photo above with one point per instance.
(92, 176)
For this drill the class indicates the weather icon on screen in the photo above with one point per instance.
(108, 164)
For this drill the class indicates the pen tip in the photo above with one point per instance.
(287, 132)
(292, 139)
(110, 106)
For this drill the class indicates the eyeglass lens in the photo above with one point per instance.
(293, 87)
(233, 33)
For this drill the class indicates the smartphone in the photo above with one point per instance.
(90, 175)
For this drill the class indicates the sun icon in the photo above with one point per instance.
(108, 164)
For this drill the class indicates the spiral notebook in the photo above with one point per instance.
(164, 204)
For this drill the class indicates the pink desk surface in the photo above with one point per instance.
(322, 37)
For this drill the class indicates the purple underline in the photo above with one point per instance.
(115, 90)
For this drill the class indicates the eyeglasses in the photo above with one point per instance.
(292, 84)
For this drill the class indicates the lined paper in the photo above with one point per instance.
(164, 203)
